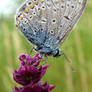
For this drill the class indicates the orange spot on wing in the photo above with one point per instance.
(31, 6)
(26, 10)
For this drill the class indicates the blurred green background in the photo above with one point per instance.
(78, 48)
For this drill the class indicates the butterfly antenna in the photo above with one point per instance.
(69, 62)
(44, 59)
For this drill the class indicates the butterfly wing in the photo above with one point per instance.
(72, 10)
(62, 16)
(30, 20)
(54, 17)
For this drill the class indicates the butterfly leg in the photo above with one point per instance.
(45, 58)
(41, 56)
(31, 50)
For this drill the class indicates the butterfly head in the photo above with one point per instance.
(56, 53)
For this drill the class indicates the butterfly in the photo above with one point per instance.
(47, 23)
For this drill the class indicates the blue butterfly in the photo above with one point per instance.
(47, 23)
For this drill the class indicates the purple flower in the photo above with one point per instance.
(35, 88)
(28, 71)
(26, 59)
(26, 74)
(29, 75)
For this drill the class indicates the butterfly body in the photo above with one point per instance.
(47, 23)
